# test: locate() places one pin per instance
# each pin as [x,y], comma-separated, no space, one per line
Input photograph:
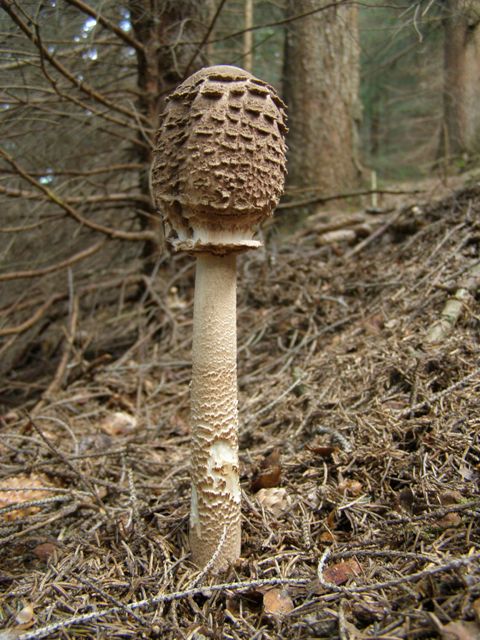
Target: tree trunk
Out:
[248,37]
[159,25]
[321,91]
[461,99]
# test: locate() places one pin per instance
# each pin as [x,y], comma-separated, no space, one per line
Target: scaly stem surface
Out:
[216,497]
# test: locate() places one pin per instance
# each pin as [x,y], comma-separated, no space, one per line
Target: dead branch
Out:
[373,236]
[59,376]
[377,586]
[114,601]
[438,396]
[24,326]
[247,585]
[59,515]
[80,84]
[123,35]
[73,213]
[86,481]
[277,23]
[35,273]
[30,227]
[436,514]
[111,197]
[40,312]
[454,306]
[27,61]
[343,196]
[34,503]
[128,166]
[205,38]
[68,96]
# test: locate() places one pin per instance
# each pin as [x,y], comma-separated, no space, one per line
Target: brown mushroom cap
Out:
[219,163]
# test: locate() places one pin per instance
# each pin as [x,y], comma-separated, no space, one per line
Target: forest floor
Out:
[359,394]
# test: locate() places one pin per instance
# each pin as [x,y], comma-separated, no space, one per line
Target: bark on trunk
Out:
[321,91]
[461,101]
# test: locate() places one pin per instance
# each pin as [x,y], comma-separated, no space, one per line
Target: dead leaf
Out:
[270,473]
[352,487]
[96,441]
[120,400]
[339,235]
[342,571]
[374,324]
[331,518]
[406,498]
[352,632]
[277,602]
[149,386]
[327,536]
[466,472]
[450,520]
[232,605]
[323,451]
[45,551]
[25,617]
[20,489]
[276,500]
[179,425]
[158,457]
[198,633]
[267,479]
[118,423]
[174,301]
[369,610]
[476,610]
[456,630]
[272,460]
[449,497]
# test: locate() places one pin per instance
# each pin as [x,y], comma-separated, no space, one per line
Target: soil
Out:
[360,449]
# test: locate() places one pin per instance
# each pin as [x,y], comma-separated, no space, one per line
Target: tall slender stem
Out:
[215,511]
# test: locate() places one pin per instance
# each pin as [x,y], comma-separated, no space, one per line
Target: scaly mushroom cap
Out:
[219,160]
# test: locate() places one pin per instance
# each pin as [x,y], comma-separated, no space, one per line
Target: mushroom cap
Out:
[219,160]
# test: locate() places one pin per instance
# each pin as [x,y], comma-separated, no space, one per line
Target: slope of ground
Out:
[360,452]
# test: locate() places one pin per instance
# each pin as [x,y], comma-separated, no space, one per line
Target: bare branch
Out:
[24,326]
[80,84]
[126,37]
[68,96]
[30,227]
[342,196]
[73,213]
[34,273]
[133,166]
[205,38]
[111,197]
[277,23]
[59,376]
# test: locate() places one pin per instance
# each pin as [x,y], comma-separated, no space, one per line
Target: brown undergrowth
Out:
[363,523]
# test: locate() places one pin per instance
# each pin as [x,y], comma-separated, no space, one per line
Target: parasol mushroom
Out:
[218,172]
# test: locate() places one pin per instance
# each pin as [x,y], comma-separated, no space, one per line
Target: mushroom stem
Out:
[216,496]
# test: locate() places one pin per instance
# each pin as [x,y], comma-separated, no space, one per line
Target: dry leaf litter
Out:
[360,452]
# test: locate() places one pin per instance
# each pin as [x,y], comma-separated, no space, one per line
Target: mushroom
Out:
[218,171]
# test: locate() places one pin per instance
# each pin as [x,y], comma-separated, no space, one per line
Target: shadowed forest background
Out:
[358,326]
